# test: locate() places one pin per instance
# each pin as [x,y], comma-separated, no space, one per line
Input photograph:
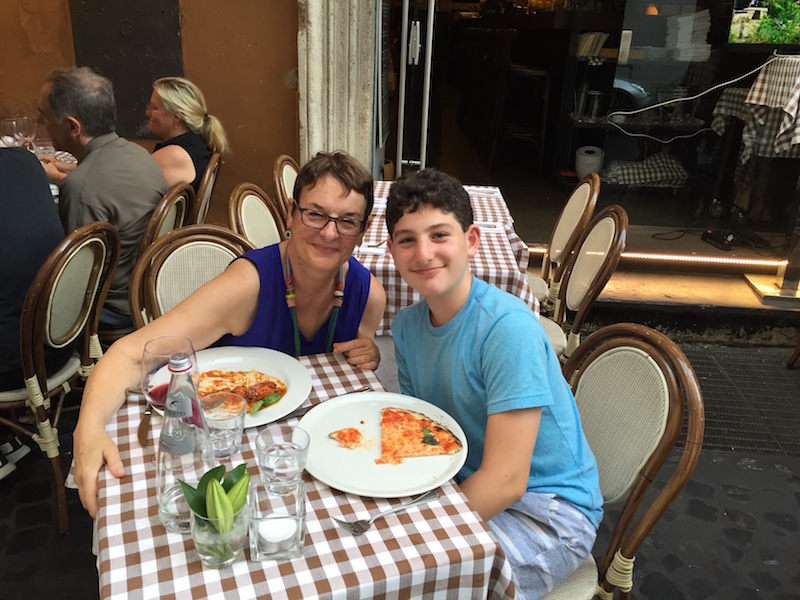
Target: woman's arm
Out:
[226,304]
[502,478]
[176,164]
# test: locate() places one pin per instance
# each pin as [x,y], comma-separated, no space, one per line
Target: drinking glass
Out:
[282,452]
[224,413]
[277,521]
[26,131]
[9,133]
[155,358]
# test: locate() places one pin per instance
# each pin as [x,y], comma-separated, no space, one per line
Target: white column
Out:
[336,50]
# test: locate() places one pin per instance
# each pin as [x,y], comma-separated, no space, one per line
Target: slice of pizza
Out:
[407,434]
[349,437]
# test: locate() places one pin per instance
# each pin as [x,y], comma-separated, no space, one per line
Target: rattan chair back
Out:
[170,213]
[178,263]
[204,191]
[255,215]
[62,307]
[284,173]
[636,394]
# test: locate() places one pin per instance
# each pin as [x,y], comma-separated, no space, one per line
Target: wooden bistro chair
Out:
[636,394]
[170,213]
[203,200]
[793,358]
[255,215]
[62,305]
[284,174]
[585,275]
[575,216]
[178,263]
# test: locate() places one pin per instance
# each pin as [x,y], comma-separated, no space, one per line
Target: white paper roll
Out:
[588,159]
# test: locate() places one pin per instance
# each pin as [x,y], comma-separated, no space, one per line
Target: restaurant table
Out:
[440,549]
[502,257]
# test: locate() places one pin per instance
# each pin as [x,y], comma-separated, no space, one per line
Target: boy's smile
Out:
[432,254]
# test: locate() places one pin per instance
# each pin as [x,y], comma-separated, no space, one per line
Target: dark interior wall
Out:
[131,43]
[242,55]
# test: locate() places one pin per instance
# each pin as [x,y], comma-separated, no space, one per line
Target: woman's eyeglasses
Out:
[317,220]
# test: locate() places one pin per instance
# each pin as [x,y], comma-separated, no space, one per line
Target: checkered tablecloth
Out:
[778,86]
[662,170]
[502,257]
[441,549]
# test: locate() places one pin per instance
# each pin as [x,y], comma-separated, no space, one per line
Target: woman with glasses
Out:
[304,295]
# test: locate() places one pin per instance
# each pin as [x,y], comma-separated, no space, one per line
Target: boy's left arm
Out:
[502,478]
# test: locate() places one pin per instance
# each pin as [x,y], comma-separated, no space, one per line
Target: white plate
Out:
[270,362]
[355,471]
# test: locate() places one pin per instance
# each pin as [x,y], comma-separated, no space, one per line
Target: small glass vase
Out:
[220,549]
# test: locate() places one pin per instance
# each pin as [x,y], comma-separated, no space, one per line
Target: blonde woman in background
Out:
[178,116]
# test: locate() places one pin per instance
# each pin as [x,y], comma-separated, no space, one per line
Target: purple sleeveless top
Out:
[272,327]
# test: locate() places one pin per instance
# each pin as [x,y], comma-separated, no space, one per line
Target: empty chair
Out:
[170,213]
[586,273]
[254,215]
[570,225]
[636,393]
[62,306]
[284,174]
[178,263]
[203,200]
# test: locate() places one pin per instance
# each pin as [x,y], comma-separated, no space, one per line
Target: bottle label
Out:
[178,405]
[176,442]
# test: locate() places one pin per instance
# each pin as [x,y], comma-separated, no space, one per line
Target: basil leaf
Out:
[256,407]
[196,500]
[271,399]
[428,437]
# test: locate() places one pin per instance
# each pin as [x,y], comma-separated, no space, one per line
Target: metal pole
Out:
[426,90]
[401,104]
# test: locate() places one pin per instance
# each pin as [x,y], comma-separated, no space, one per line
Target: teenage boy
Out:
[481,355]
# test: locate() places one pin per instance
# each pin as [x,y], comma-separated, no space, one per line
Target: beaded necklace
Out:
[291,295]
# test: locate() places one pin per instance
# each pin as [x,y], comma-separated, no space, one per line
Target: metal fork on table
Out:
[359,527]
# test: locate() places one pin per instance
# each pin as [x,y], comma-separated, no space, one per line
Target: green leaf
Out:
[271,399]
[234,476]
[196,500]
[429,439]
[238,493]
[215,473]
[256,407]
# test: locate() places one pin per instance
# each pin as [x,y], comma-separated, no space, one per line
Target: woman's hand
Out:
[360,352]
[56,170]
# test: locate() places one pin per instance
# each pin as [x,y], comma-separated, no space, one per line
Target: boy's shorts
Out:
[545,539]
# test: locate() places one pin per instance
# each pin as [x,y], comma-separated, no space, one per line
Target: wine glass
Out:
[26,131]
[9,132]
[155,359]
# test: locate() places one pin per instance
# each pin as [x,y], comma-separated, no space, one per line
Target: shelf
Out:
[637,125]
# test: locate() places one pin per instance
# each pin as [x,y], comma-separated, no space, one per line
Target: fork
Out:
[359,527]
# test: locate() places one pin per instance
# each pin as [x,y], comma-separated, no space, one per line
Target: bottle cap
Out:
[180,362]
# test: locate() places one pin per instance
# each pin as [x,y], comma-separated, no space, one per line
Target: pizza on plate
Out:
[260,390]
[349,437]
[407,434]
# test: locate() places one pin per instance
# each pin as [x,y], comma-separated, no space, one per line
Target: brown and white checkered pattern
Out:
[778,86]
[502,257]
[441,549]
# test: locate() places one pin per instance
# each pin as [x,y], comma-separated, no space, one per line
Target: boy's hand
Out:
[360,352]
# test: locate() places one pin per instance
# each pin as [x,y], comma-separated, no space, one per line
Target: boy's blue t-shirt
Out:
[492,357]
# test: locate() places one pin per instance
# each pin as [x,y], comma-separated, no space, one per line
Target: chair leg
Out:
[61,494]
[794,357]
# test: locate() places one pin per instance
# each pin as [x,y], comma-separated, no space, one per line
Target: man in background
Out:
[115,180]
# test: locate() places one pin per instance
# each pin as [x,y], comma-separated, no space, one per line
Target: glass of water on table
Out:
[282,451]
